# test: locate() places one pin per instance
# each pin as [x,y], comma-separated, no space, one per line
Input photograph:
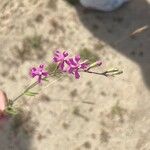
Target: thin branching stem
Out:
[30,87]
[97,73]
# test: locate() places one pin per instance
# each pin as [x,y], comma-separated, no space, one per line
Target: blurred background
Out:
[116,116]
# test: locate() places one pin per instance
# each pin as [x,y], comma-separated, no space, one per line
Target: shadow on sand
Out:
[114,26]
[16,132]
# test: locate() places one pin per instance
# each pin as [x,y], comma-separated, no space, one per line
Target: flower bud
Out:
[112,72]
[95,64]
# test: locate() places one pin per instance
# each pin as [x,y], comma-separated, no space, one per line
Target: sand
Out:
[118,115]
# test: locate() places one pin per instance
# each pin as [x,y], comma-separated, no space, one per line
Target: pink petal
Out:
[45,74]
[77,58]
[84,66]
[55,59]
[65,54]
[39,79]
[70,70]
[41,66]
[61,65]
[77,76]
[72,62]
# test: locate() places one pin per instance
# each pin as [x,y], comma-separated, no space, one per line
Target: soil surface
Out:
[94,112]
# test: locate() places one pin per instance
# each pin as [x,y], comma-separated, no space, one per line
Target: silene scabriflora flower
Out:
[70,65]
[60,59]
[39,72]
[75,66]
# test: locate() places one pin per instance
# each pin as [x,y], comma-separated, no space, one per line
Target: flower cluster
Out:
[66,64]
[70,65]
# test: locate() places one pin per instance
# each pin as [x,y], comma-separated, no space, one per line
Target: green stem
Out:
[103,73]
[11,102]
[28,88]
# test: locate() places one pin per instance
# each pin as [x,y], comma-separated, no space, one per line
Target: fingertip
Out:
[3,100]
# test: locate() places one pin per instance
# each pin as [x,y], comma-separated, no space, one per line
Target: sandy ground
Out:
[118,117]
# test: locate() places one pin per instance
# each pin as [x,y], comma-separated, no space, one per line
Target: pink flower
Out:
[39,72]
[61,59]
[75,66]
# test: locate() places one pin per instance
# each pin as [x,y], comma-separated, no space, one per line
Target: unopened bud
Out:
[95,64]
[113,72]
